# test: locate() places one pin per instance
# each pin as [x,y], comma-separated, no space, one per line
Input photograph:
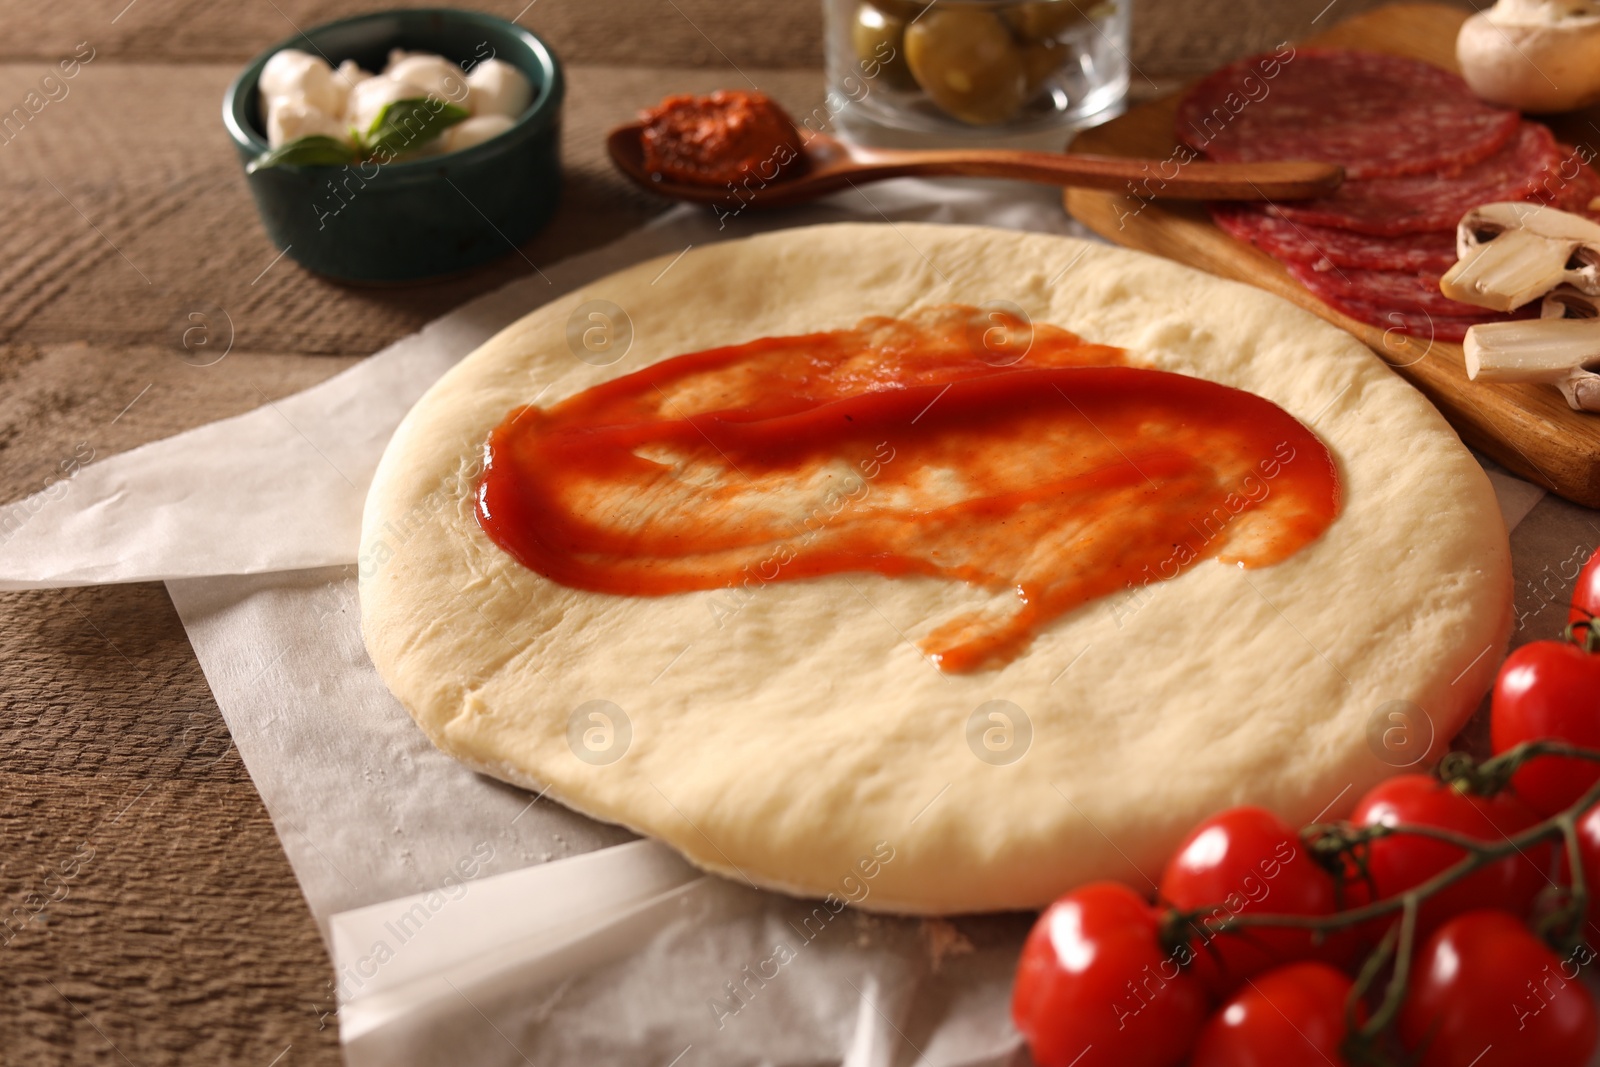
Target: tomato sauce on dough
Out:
[1041,469]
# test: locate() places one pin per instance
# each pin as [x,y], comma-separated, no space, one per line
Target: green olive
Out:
[901,9]
[1045,20]
[879,39]
[967,63]
[1039,61]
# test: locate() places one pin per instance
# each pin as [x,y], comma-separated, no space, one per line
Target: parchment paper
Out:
[470,921]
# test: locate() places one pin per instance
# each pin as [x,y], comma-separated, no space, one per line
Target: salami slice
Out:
[1584,193]
[1409,302]
[1417,204]
[1377,115]
[1571,186]
[1412,323]
[1324,247]
[1400,290]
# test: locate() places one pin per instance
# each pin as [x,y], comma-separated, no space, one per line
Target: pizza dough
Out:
[797,740]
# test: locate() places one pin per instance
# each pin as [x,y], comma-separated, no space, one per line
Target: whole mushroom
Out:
[1533,55]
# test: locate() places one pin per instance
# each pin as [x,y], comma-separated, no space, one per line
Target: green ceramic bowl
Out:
[421,218]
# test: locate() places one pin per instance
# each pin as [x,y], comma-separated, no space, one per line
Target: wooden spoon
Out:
[832,165]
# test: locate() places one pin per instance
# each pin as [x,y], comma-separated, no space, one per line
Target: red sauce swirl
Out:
[900,448]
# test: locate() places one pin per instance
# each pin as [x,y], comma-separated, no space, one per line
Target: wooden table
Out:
[149,914]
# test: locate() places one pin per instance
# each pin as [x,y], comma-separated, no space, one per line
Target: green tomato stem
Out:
[1585,634]
[1480,854]
[1345,845]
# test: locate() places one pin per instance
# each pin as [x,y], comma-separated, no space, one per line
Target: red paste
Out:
[900,448]
[721,138]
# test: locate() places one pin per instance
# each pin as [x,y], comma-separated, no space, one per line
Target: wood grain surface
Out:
[1529,428]
[147,914]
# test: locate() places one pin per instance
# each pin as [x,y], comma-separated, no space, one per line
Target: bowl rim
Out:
[540,112]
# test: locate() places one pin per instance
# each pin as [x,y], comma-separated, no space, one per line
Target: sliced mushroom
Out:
[1514,253]
[1569,302]
[1533,55]
[1562,347]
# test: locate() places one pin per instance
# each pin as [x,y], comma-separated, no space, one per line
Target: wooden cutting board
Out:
[1528,428]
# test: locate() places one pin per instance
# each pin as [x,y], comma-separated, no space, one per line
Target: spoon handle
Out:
[1146,178]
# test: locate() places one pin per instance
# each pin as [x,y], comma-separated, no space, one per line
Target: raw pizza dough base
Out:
[782,743]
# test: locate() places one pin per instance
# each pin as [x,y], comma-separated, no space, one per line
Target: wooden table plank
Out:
[150,916]
[1171,38]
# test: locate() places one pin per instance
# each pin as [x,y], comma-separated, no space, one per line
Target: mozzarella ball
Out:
[290,118]
[345,78]
[476,130]
[294,73]
[434,75]
[498,89]
[368,98]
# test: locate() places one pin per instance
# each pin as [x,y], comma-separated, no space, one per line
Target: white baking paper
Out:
[469,921]
[254,521]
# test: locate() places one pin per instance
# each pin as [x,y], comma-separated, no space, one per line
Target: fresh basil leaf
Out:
[403,125]
[317,150]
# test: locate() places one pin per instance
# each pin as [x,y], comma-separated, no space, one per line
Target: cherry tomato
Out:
[1586,594]
[1293,1014]
[1246,860]
[1549,689]
[1484,991]
[1401,861]
[1094,986]
[1589,853]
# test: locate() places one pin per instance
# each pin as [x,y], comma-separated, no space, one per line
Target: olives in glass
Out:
[878,35]
[1044,20]
[901,9]
[980,62]
[968,63]
[1040,59]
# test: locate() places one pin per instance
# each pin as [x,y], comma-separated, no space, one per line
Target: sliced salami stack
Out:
[1419,151]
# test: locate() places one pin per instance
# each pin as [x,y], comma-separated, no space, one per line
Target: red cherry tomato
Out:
[1246,860]
[1401,861]
[1095,988]
[1586,594]
[1549,689]
[1484,991]
[1589,853]
[1293,1014]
